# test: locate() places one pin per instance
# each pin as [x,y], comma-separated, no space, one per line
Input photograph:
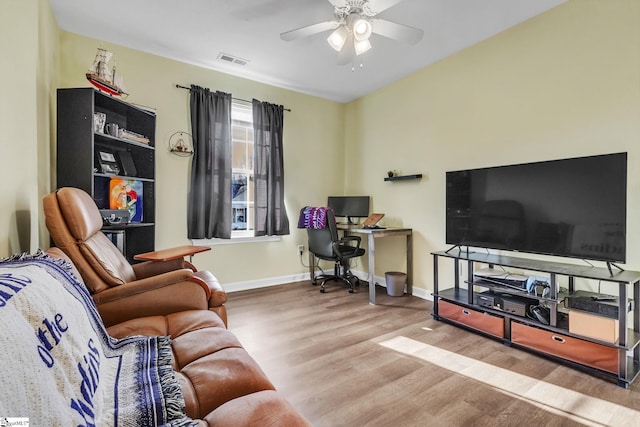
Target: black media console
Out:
[540,321]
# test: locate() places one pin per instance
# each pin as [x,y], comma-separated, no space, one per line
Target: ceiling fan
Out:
[353,25]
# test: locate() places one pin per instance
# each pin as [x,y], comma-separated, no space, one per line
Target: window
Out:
[242,169]
[237,174]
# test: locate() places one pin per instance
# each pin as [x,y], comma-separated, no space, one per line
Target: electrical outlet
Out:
[300,249]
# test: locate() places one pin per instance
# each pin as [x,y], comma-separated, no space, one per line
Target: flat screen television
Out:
[349,207]
[571,207]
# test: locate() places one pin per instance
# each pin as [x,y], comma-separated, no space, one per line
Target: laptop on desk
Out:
[372,220]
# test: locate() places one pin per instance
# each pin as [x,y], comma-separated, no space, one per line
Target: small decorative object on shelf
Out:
[105,79]
[113,129]
[99,120]
[402,177]
[180,144]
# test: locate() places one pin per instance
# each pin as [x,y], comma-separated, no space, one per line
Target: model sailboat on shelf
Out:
[105,79]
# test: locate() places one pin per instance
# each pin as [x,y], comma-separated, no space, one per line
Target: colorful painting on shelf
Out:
[126,194]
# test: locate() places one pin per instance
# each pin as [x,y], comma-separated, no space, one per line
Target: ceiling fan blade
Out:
[348,51]
[378,6]
[309,30]
[338,3]
[396,31]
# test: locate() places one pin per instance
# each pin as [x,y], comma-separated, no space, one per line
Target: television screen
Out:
[349,206]
[572,207]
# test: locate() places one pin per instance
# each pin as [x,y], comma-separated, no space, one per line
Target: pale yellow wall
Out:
[313,144]
[46,83]
[563,84]
[566,83]
[28,38]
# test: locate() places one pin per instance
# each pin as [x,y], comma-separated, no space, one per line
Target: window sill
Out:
[235,240]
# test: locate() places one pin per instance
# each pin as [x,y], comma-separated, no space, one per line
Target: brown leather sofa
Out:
[221,383]
[119,289]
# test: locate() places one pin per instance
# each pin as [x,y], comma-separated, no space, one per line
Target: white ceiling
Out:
[197,31]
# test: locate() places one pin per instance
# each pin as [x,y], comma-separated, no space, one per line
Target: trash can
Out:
[395,283]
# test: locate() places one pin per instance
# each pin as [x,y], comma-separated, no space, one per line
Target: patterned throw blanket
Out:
[61,368]
[311,217]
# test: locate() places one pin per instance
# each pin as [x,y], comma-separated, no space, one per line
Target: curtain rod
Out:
[237,99]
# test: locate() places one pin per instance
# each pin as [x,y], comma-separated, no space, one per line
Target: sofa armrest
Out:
[160,295]
[218,294]
[153,268]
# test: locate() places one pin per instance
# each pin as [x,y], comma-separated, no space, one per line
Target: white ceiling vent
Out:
[233,59]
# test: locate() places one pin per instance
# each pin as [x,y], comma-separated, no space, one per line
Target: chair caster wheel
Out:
[350,291]
[322,290]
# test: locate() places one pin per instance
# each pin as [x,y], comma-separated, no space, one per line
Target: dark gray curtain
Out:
[270,213]
[209,209]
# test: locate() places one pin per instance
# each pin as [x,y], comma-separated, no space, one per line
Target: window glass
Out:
[242,173]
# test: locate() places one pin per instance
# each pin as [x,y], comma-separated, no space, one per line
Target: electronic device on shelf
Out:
[539,286]
[516,305]
[600,304]
[501,278]
[488,299]
[602,297]
[508,303]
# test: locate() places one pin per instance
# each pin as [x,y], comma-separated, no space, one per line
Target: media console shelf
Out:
[618,361]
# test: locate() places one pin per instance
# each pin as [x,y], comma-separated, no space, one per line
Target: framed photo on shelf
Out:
[127,194]
[107,162]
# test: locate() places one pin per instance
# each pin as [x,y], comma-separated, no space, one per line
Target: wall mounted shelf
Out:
[403,177]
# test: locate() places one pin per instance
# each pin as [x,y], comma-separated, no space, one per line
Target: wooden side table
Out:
[172,253]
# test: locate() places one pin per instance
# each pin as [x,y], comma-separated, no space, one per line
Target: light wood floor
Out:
[344,362]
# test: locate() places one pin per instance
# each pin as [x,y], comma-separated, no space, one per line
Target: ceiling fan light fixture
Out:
[362,46]
[361,29]
[338,38]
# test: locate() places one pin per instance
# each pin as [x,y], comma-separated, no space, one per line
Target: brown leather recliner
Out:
[119,288]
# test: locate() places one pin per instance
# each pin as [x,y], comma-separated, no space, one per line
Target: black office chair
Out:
[325,244]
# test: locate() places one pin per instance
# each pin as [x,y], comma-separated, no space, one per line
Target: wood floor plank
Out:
[344,362]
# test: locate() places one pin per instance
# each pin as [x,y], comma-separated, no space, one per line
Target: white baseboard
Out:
[264,283]
[281,280]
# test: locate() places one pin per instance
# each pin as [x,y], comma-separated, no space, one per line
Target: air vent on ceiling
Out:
[232,59]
